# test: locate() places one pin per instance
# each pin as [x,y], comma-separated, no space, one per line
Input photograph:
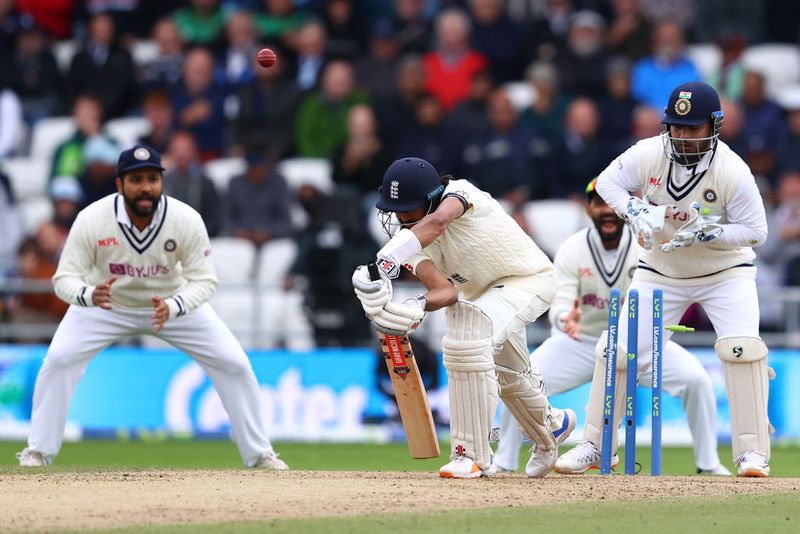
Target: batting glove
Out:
[373,294]
[400,319]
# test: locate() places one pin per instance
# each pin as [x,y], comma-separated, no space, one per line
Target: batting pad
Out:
[593,430]
[472,384]
[744,360]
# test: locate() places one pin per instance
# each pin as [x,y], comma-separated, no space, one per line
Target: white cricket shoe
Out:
[752,464]
[464,467]
[580,459]
[542,463]
[32,458]
[270,460]
[719,471]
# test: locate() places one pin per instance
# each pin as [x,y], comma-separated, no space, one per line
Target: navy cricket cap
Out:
[408,184]
[692,104]
[138,157]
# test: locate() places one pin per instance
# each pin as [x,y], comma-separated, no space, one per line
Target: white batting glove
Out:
[400,319]
[373,294]
[645,219]
[700,228]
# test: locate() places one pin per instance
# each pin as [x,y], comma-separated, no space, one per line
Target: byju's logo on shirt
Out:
[135,271]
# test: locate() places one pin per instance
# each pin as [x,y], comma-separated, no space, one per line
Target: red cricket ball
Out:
[266,57]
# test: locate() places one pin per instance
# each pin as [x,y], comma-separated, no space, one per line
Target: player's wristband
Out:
[176,306]
[401,247]
[84,297]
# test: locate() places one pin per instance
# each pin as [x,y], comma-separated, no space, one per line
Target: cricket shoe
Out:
[32,458]
[270,460]
[719,471]
[580,459]
[542,463]
[752,464]
[465,467]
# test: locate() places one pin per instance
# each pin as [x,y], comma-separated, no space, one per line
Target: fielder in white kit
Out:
[138,263]
[699,217]
[477,262]
[589,264]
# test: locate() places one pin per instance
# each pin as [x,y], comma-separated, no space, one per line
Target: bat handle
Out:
[373,271]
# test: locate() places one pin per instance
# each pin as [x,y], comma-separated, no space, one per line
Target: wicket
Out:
[631,379]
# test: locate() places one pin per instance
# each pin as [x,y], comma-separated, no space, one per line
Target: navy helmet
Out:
[409,184]
[692,104]
[138,157]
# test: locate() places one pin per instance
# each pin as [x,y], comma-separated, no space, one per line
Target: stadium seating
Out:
[35,211]
[779,63]
[316,172]
[540,215]
[28,176]
[221,170]
[707,58]
[127,130]
[48,133]
[234,259]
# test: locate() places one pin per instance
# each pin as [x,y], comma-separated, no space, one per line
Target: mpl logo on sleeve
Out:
[107,242]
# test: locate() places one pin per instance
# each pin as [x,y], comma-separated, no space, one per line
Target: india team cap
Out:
[692,104]
[139,157]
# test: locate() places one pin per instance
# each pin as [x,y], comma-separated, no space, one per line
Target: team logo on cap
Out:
[394,190]
[683,106]
[709,195]
[170,245]
[142,154]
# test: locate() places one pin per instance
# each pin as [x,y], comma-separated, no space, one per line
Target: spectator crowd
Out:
[528,99]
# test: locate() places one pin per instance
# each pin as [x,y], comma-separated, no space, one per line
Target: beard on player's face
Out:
[605,220]
[141,197]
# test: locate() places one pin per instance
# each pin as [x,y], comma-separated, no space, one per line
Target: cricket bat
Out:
[412,401]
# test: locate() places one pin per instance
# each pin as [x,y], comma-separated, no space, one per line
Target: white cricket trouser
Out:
[201,334]
[567,363]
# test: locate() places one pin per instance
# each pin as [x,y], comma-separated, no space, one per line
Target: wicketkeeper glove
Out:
[701,228]
[645,219]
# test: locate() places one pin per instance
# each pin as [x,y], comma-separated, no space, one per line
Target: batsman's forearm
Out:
[440,297]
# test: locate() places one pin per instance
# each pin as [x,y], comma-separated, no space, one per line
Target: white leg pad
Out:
[744,360]
[593,431]
[472,384]
[524,396]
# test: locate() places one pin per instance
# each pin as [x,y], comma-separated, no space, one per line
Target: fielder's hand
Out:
[102,294]
[645,219]
[700,228]
[373,294]
[161,313]
[571,322]
[400,319]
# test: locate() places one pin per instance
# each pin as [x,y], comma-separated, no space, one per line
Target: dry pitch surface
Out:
[55,500]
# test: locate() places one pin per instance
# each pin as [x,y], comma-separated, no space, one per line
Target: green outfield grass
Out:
[199,454]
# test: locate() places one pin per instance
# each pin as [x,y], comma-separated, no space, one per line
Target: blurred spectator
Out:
[470,118]
[200,23]
[257,203]
[428,138]
[680,12]
[731,130]
[99,178]
[629,32]
[729,78]
[452,64]
[311,44]
[322,121]
[363,157]
[375,71]
[126,15]
[34,74]
[412,30]
[396,112]
[498,38]
[582,62]
[53,16]
[11,224]
[11,123]
[278,20]
[782,248]
[186,181]
[763,123]
[87,112]
[546,114]
[157,109]
[242,48]
[347,38]
[547,34]
[617,105]
[164,72]
[103,68]
[67,198]
[581,152]
[788,149]
[500,160]
[654,77]
[11,22]
[645,123]
[266,113]
[198,103]
[715,18]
